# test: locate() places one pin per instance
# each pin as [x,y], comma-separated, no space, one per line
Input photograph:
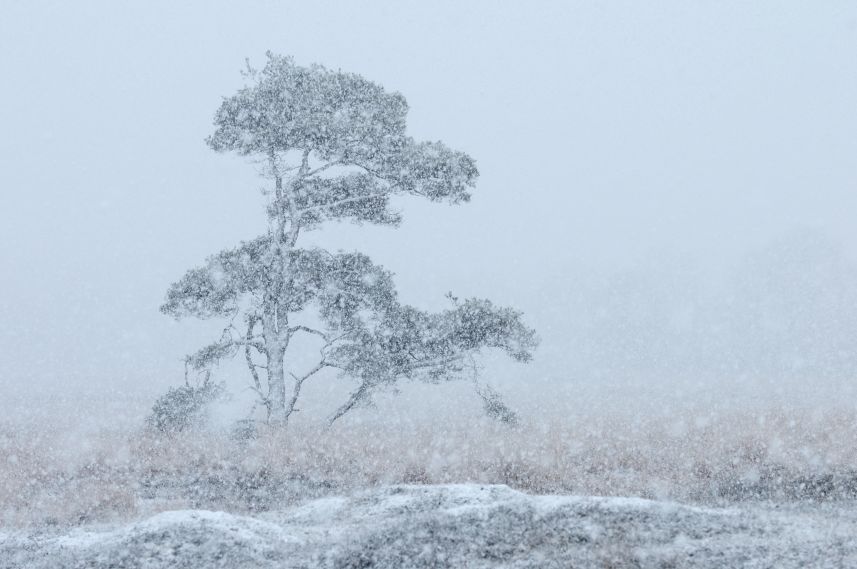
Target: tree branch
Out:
[437,362]
[308,330]
[329,344]
[321,169]
[251,324]
[393,185]
[342,201]
[294,218]
[264,400]
[290,408]
[355,398]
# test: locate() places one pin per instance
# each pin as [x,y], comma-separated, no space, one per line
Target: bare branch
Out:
[260,347]
[263,399]
[305,162]
[353,400]
[294,217]
[251,324]
[290,408]
[308,330]
[331,342]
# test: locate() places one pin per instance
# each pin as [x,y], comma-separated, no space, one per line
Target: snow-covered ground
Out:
[456,526]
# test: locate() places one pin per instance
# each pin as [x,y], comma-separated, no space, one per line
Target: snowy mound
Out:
[182,539]
[454,526]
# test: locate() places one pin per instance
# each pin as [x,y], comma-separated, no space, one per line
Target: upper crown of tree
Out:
[353,134]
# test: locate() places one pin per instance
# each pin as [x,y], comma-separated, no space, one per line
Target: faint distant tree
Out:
[333,146]
[793,309]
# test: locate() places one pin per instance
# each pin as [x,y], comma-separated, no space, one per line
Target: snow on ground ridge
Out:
[454,525]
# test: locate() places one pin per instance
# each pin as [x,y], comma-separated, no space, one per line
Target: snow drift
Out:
[455,526]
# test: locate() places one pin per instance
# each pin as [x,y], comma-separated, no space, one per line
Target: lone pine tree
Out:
[333,146]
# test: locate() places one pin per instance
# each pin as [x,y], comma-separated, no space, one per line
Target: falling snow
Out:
[661,217]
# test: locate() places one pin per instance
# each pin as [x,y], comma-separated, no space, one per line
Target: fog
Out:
[667,193]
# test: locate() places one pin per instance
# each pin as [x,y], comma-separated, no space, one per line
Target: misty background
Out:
[667,190]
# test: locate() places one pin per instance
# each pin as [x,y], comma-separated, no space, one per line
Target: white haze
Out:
[667,189]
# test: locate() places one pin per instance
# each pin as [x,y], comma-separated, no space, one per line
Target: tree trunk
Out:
[276,320]
[277,383]
[296,391]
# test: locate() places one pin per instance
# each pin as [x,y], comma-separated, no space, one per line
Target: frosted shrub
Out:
[183,407]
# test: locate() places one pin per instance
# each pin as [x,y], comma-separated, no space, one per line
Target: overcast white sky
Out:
[608,134]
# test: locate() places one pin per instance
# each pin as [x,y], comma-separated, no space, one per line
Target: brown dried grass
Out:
[51,477]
